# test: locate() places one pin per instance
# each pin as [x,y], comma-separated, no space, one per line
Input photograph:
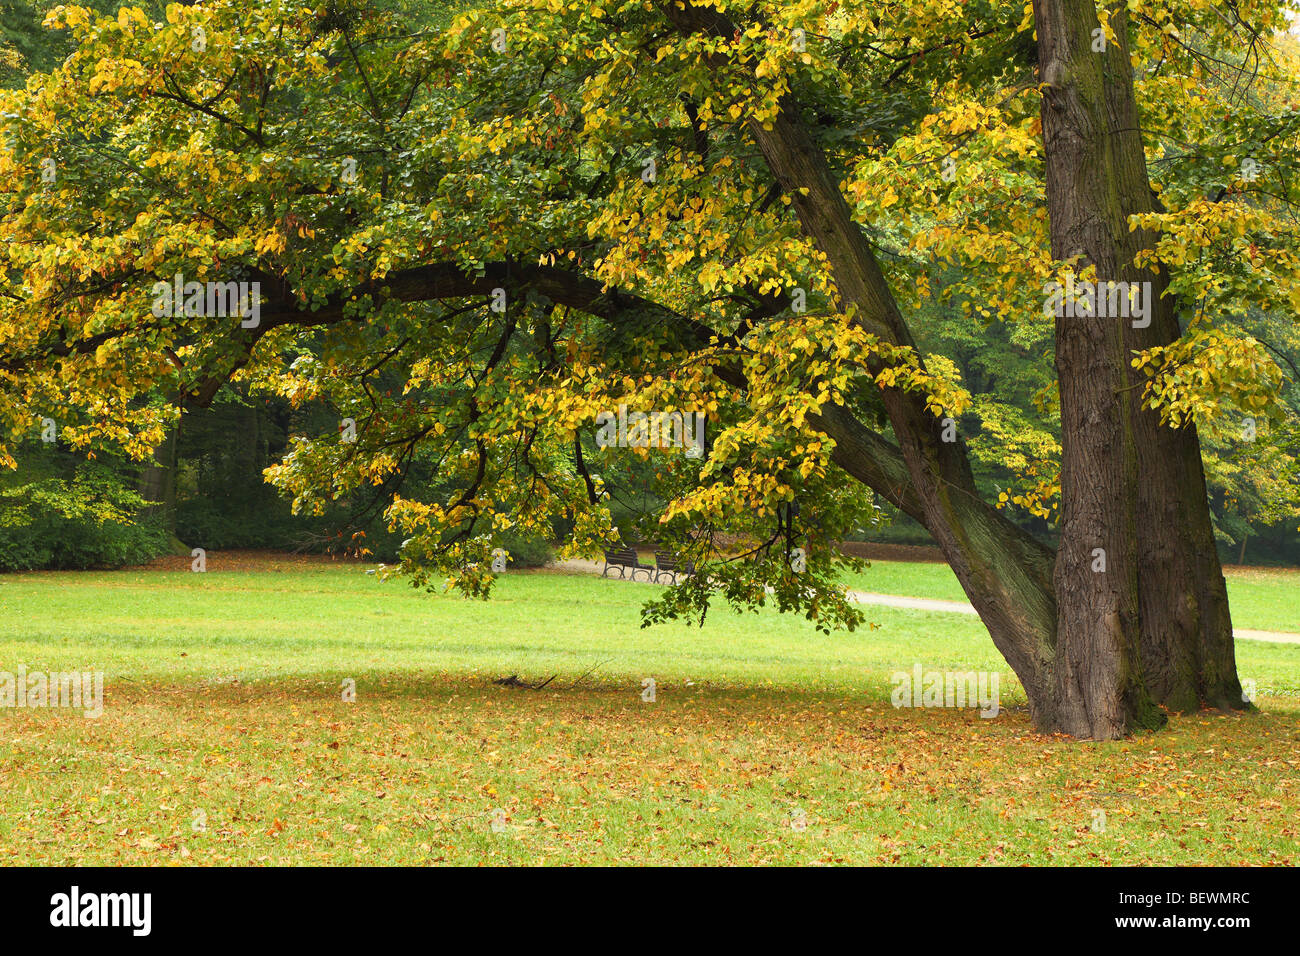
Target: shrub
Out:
[92,519]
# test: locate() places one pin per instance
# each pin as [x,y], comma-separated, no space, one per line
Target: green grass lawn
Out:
[223,698]
[1262,599]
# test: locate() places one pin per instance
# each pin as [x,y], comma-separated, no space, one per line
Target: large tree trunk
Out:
[1096,180]
[1187,642]
[1099,666]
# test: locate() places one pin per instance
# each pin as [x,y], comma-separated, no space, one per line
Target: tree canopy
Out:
[475,229]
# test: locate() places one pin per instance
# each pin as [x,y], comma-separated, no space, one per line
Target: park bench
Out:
[666,563]
[623,560]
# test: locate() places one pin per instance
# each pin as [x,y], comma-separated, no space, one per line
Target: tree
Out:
[536,216]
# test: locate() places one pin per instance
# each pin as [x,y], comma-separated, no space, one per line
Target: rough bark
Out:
[1100,672]
[1096,181]
[1187,643]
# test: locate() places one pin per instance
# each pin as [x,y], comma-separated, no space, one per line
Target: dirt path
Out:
[1275,637]
[584,566]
